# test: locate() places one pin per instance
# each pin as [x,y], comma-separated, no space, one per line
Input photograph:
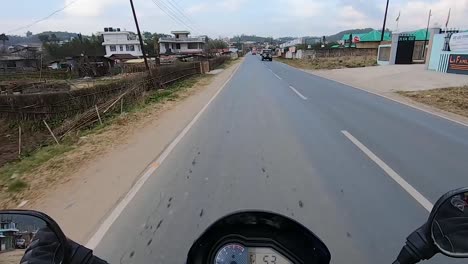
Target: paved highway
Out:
[327,155]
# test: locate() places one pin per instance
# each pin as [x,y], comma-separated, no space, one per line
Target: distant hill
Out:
[339,35]
[13,40]
[254,38]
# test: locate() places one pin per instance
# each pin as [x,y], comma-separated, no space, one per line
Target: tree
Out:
[214,44]
[44,38]
[29,34]
[4,38]
[53,38]
[90,46]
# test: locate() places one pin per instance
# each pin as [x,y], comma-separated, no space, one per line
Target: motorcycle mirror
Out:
[20,229]
[448,224]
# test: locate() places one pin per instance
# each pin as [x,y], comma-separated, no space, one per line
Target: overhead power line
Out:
[171,14]
[44,18]
[180,11]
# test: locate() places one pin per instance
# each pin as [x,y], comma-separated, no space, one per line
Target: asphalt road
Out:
[279,139]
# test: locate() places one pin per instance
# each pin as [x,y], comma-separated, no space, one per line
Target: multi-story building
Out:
[117,42]
[181,43]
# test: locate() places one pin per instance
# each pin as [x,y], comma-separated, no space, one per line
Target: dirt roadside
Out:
[103,173]
[11,257]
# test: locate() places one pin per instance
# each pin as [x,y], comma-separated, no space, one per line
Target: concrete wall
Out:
[183,48]
[368,45]
[332,53]
[436,51]
[383,55]
[137,52]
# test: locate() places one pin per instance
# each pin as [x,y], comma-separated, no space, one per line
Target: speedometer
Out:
[232,254]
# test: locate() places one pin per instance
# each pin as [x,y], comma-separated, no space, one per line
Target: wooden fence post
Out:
[98,115]
[121,106]
[50,131]
[19,141]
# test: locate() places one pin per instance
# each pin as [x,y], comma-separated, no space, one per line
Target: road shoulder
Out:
[81,203]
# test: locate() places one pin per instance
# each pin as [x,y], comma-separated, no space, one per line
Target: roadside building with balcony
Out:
[8,232]
[182,44]
[121,44]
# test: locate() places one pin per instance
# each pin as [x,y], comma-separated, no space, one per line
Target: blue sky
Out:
[222,18]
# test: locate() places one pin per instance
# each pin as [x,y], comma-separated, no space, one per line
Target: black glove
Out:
[44,248]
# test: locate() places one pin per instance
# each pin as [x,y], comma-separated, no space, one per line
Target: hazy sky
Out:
[229,17]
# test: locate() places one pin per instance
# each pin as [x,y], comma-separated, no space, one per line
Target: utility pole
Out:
[384,22]
[427,29]
[141,38]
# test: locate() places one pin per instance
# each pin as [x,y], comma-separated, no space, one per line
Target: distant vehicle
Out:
[20,243]
[267,54]
[254,51]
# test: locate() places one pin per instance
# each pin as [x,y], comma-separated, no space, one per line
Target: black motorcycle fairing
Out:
[257,228]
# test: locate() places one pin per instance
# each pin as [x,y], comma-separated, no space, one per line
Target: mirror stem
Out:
[406,256]
[418,247]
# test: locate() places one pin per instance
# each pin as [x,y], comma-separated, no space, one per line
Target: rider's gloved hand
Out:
[44,248]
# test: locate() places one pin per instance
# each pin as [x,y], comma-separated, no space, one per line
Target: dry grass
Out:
[29,178]
[453,99]
[330,63]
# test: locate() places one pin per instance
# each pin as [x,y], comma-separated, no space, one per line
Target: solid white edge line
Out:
[386,97]
[297,92]
[107,223]
[397,178]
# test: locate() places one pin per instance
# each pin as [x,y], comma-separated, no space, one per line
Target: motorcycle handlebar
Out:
[82,255]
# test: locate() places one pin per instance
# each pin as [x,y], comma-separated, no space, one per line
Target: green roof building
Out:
[371,36]
[420,34]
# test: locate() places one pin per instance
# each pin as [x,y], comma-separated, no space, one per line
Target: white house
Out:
[181,43]
[119,42]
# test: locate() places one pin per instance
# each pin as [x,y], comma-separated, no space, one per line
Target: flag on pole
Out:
[448,18]
[398,17]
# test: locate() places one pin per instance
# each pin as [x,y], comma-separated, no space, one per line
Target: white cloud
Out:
[414,14]
[232,5]
[277,18]
[303,8]
[88,8]
[349,17]
[197,8]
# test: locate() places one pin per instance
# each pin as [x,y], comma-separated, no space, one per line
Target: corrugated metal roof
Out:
[373,35]
[420,34]
[346,36]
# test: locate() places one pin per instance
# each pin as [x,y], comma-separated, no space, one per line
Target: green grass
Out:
[17,185]
[28,164]
[330,63]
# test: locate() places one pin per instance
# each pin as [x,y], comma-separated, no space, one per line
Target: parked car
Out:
[267,54]
[20,243]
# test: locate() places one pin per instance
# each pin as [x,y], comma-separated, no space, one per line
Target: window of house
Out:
[112,48]
[166,45]
[130,47]
[139,49]
[121,48]
[193,46]
[177,46]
